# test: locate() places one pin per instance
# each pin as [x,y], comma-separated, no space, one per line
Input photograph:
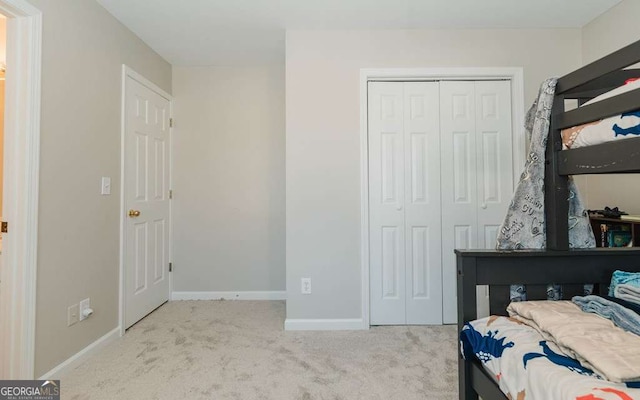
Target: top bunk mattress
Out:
[623,126]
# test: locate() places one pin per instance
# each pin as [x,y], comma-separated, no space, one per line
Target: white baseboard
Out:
[273,295]
[324,325]
[81,356]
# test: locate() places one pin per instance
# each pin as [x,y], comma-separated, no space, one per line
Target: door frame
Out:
[22,159]
[131,73]
[513,74]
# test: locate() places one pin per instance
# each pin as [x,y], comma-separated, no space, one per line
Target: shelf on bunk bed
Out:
[626,229]
[618,156]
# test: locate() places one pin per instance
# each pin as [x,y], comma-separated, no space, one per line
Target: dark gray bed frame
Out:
[536,269]
[557,264]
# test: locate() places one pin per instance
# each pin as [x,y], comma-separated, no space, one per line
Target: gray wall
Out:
[611,31]
[84,48]
[323,142]
[229,178]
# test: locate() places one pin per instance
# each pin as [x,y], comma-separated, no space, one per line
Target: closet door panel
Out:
[495,157]
[422,203]
[459,176]
[386,203]
[495,166]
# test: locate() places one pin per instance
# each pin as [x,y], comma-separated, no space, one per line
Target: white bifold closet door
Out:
[404,203]
[440,178]
[477,175]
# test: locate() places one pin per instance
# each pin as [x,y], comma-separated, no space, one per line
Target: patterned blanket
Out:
[524,225]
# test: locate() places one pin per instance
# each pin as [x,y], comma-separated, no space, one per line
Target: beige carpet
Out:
[238,350]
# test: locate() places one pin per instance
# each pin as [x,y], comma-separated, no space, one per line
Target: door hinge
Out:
[4,228]
[170,194]
[170,267]
[170,122]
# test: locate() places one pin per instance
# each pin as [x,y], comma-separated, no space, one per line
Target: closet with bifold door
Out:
[440,178]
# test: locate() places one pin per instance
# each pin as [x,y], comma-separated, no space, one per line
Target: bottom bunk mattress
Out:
[526,366]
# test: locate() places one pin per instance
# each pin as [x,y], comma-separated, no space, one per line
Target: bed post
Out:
[556,196]
[467,311]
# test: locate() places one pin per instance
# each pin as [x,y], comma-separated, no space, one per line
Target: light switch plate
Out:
[73,314]
[84,305]
[106,185]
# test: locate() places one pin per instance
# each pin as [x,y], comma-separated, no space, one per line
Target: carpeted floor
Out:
[238,350]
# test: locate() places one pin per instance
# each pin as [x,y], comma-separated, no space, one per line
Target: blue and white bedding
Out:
[623,126]
[526,366]
[623,317]
[623,278]
[628,292]
[625,286]
[635,307]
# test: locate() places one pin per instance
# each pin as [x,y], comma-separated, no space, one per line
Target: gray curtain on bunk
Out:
[524,225]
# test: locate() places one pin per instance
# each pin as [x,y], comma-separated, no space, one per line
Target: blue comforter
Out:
[623,317]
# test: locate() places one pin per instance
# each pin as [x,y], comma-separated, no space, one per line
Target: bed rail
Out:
[621,156]
[622,103]
[618,60]
[601,85]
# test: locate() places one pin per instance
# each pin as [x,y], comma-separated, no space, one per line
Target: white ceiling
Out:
[241,32]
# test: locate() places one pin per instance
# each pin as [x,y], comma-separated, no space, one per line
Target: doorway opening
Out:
[3,71]
[21,159]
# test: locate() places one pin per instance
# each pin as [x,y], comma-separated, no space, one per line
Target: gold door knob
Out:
[134,213]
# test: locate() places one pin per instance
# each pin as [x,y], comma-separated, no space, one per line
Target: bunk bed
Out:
[558,264]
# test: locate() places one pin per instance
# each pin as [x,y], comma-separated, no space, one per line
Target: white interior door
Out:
[477,181]
[146,199]
[404,171]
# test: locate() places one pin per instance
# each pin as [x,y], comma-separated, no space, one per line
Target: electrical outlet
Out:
[73,314]
[85,309]
[306,286]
